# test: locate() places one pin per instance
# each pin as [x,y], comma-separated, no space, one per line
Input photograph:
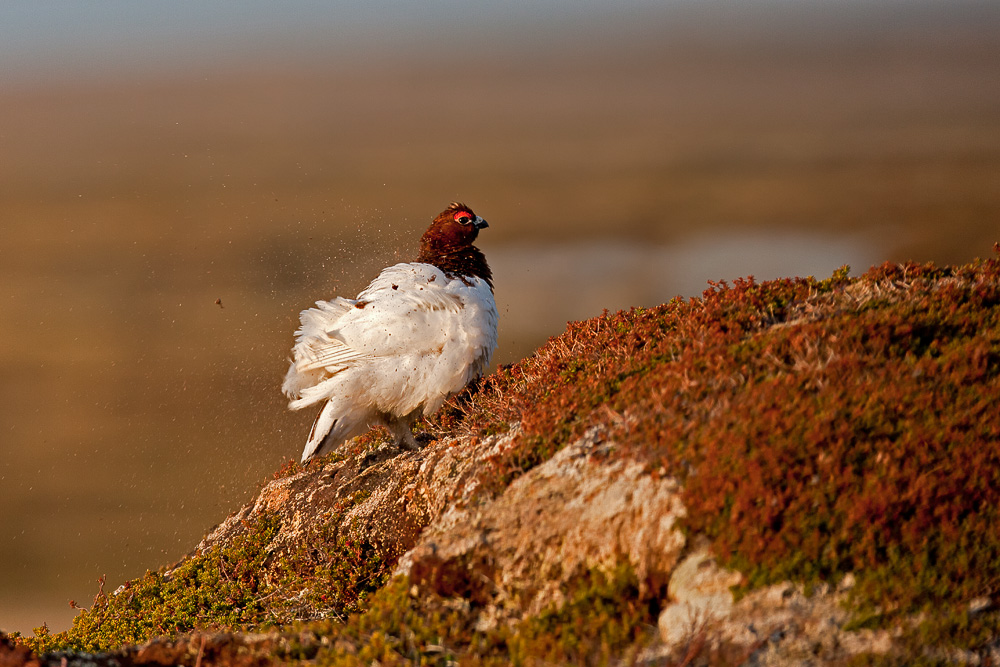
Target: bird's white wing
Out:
[317,344]
[409,309]
[313,344]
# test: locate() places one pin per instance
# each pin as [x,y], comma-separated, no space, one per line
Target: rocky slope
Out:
[796,472]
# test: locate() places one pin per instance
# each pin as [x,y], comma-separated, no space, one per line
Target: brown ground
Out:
[136,410]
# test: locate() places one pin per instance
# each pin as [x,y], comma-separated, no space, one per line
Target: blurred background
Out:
[179,179]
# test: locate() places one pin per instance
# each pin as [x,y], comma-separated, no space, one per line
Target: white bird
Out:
[416,335]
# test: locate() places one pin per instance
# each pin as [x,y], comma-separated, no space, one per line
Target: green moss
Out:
[839,279]
[331,572]
[603,618]
[242,586]
[220,588]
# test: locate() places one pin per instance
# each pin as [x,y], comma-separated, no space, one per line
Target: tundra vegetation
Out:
[817,428]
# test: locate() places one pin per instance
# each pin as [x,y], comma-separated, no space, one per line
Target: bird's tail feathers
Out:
[310,396]
[293,383]
[330,429]
[307,387]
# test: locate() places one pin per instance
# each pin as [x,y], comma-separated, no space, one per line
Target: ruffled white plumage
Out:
[413,337]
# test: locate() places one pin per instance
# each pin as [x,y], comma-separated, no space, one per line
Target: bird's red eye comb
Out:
[463,214]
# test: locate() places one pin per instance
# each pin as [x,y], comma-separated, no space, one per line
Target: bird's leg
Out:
[402,435]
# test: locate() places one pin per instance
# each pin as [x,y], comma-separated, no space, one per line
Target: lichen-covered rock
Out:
[699,595]
[788,627]
[387,496]
[778,626]
[577,511]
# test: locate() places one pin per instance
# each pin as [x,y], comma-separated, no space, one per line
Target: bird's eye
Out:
[463,218]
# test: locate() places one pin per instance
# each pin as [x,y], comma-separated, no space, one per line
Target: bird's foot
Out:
[403,436]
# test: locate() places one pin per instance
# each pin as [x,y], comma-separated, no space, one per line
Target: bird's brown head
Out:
[457,225]
[447,243]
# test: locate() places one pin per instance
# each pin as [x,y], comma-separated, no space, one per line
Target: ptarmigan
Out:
[417,334]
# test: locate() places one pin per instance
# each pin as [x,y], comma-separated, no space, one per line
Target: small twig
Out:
[100,591]
[201,652]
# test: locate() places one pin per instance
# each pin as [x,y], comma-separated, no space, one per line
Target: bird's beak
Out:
[480,223]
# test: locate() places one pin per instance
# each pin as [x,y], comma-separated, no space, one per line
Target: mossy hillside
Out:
[240,586]
[217,589]
[863,439]
[603,618]
[820,427]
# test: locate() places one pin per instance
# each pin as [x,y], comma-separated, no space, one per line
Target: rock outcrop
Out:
[512,555]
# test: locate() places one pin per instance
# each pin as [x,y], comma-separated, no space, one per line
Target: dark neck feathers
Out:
[455,259]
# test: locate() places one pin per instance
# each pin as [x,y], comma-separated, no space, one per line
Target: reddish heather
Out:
[820,427]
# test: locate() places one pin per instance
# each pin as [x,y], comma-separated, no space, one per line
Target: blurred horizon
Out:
[62,41]
[181,179]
